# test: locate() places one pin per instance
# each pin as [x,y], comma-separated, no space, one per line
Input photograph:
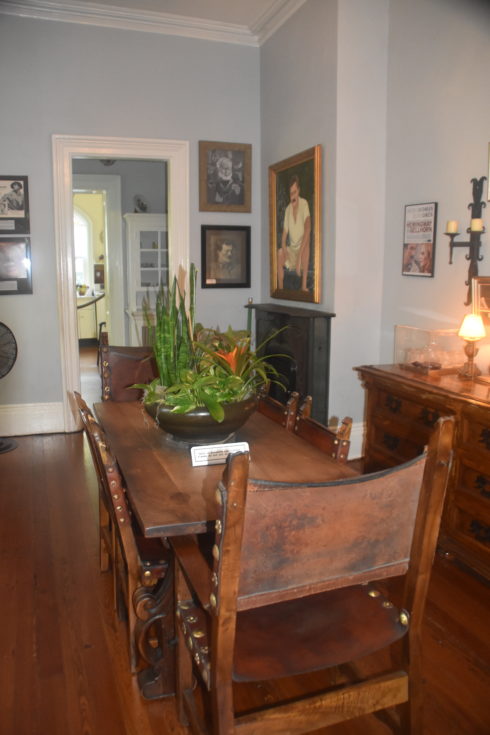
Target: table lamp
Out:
[471,330]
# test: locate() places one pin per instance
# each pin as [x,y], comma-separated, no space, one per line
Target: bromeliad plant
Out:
[197,366]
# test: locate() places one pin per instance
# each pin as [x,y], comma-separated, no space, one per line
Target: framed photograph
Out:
[419,239]
[225,256]
[481,297]
[14,205]
[15,265]
[225,176]
[295,226]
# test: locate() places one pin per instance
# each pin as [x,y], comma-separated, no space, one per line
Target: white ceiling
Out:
[247,22]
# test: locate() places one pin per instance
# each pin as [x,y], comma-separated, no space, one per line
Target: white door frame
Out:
[66,147]
[111,185]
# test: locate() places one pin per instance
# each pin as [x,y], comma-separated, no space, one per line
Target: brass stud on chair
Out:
[212,600]
[198,634]
[218,526]
[404,618]
[374,593]
[216,552]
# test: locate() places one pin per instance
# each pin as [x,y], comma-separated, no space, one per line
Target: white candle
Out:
[452,226]
[477,225]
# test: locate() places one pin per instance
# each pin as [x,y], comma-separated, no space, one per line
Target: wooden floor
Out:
[63,659]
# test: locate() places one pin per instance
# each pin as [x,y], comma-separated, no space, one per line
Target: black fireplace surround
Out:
[305,345]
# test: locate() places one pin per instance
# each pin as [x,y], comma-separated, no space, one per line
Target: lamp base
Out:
[469,371]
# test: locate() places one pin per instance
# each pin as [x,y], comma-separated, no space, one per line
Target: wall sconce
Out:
[472,330]
[475,230]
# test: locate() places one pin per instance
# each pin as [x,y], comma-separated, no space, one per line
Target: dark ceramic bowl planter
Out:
[198,426]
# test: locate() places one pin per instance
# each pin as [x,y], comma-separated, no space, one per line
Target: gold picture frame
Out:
[225,176]
[295,267]
[480,286]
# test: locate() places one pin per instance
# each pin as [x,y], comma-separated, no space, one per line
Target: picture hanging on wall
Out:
[14,205]
[225,256]
[481,296]
[225,175]
[295,226]
[15,266]
[419,239]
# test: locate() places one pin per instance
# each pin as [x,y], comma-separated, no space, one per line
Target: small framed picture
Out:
[419,239]
[225,256]
[481,297]
[14,205]
[15,266]
[225,171]
[295,226]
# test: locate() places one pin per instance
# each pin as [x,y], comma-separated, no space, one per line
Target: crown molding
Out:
[273,18]
[129,19]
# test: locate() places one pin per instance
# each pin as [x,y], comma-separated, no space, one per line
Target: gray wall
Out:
[438,138]
[323,81]
[81,80]
[396,93]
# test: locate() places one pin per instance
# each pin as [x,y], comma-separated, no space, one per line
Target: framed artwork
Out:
[15,265]
[481,297]
[225,171]
[295,226]
[419,239]
[225,256]
[14,205]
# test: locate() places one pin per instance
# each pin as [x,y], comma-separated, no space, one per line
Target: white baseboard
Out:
[356,440]
[31,418]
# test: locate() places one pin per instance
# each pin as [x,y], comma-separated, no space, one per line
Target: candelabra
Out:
[475,231]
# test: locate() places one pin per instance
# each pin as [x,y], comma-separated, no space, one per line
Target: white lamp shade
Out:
[472,328]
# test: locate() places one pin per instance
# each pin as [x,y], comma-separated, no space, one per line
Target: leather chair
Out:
[296,599]
[140,567]
[121,367]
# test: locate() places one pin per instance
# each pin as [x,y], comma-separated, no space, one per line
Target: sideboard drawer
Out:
[420,415]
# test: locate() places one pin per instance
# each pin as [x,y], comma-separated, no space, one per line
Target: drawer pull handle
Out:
[480,532]
[481,484]
[428,417]
[393,403]
[485,438]
[390,441]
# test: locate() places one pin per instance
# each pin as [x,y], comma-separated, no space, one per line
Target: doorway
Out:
[65,149]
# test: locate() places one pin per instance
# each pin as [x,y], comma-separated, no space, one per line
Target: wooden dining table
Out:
[169,497]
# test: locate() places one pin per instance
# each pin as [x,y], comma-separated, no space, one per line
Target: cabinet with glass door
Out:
[147,262]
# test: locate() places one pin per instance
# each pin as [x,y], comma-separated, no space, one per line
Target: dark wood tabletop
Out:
[171,497]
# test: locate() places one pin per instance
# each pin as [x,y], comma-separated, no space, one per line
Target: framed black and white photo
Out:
[225,171]
[14,205]
[225,256]
[419,239]
[15,266]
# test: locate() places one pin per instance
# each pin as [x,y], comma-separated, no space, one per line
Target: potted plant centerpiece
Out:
[208,381]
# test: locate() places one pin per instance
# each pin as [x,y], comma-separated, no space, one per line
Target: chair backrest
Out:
[281,413]
[111,485]
[334,443]
[279,541]
[121,367]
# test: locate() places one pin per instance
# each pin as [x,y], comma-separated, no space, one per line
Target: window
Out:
[82,234]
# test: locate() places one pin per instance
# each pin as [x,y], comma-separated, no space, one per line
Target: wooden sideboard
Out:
[401,410]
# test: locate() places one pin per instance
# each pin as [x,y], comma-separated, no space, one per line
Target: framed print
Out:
[225,256]
[419,239]
[295,226]
[225,171]
[15,265]
[481,297]
[14,205]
